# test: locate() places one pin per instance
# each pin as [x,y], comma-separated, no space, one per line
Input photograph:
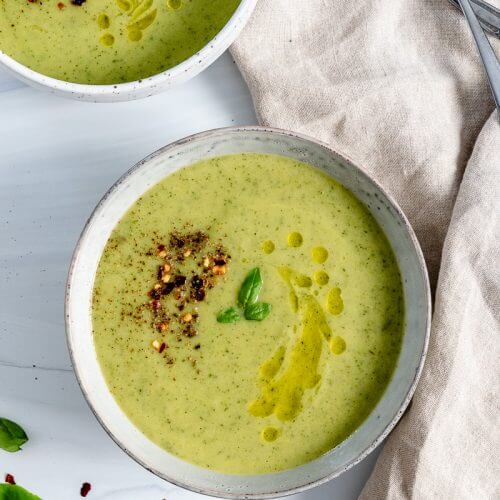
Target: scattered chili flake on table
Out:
[60,6]
[9,478]
[84,490]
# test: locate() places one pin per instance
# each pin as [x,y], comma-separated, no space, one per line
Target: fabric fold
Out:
[447,445]
[399,88]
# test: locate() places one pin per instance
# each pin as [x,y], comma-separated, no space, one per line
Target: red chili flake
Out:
[154,294]
[60,6]
[199,295]
[197,282]
[84,490]
[9,478]
[162,347]
[167,288]
[179,280]
[156,305]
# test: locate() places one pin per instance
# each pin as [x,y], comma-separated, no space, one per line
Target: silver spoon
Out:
[490,61]
[488,15]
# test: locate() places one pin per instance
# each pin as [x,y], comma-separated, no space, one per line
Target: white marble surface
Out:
[57,158]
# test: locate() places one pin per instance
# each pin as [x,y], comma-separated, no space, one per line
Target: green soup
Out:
[323,336]
[107,42]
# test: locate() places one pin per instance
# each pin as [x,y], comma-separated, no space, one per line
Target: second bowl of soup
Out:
[245,304]
[117,50]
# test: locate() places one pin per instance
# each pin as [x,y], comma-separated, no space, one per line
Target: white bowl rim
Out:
[220,42]
[425,280]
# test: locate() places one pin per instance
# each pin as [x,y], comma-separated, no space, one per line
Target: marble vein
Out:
[9,364]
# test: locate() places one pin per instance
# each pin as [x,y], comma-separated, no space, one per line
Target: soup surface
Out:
[107,42]
[248,313]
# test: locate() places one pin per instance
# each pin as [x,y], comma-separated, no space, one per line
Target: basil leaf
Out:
[15,492]
[250,289]
[12,436]
[258,311]
[229,315]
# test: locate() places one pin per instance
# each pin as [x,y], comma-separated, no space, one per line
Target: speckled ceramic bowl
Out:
[113,206]
[140,88]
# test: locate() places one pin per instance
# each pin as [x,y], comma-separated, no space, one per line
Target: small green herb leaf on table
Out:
[250,289]
[257,311]
[12,436]
[229,315]
[15,492]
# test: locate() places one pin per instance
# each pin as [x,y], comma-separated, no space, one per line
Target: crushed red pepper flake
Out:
[180,287]
[84,490]
[162,327]
[9,478]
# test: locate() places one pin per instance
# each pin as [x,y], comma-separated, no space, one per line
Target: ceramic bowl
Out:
[113,206]
[140,88]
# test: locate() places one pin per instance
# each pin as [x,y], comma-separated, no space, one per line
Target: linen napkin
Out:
[399,88]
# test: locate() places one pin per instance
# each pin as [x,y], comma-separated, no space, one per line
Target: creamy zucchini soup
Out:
[107,42]
[248,313]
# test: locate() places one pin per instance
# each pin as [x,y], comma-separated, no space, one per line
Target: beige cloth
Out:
[398,87]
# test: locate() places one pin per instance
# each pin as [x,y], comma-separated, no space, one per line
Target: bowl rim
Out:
[191,66]
[422,267]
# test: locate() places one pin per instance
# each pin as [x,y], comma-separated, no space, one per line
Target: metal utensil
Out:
[489,16]
[490,61]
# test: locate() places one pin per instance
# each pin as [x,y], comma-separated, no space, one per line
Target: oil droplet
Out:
[139,8]
[143,22]
[295,239]
[302,280]
[271,367]
[134,35]
[269,434]
[268,247]
[334,302]
[107,39]
[103,21]
[174,4]
[124,5]
[321,278]
[337,345]
[319,254]
[282,394]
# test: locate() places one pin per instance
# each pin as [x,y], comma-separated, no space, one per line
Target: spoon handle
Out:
[489,58]
[488,15]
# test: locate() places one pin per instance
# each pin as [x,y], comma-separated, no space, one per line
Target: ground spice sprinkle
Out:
[191,265]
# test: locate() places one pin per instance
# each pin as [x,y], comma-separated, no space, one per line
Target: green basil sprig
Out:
[250,289]
[247,300]
[12,436]
[258,311]
[15,492]
[229,315]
